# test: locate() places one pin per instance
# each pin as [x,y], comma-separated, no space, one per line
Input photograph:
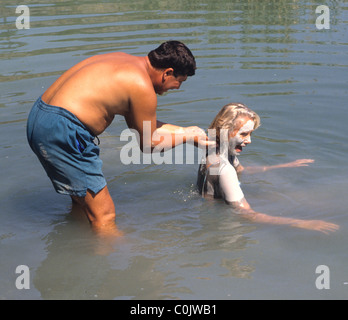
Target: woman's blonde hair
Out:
[228,117]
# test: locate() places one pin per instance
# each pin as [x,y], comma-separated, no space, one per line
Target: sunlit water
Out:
[266,54]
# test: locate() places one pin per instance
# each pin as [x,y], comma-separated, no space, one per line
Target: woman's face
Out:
[241,136]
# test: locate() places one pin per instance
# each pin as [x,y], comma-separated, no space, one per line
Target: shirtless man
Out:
[82,103]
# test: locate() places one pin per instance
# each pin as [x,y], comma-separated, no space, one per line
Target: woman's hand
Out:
[316,225]
[297,163]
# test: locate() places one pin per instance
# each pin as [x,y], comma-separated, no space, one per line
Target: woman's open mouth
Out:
[238,148]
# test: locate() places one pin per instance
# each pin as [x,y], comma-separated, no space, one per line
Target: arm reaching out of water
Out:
[293,164]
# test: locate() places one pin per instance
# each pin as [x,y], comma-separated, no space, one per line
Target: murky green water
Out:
[266,54]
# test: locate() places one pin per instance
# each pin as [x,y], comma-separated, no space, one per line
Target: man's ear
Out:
[167,73]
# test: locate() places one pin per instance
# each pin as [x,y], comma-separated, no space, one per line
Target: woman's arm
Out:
[293,164]
[233,195]
[244,209]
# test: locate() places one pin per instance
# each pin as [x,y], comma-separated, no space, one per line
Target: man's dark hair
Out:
[173,54]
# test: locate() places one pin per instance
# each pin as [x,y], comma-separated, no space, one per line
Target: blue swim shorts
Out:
[66,150]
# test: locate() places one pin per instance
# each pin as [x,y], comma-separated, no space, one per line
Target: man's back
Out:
[100,87]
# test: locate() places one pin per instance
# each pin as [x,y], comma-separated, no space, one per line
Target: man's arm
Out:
[153,133]
[178,135]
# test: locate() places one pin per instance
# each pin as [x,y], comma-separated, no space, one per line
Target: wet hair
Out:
[173,54]
[229,116]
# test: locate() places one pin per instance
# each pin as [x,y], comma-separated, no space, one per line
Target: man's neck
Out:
[149,68]
[154,74]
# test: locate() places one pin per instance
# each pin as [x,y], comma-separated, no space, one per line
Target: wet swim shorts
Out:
[66,150]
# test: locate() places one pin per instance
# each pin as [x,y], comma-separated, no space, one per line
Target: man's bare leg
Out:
[100,211]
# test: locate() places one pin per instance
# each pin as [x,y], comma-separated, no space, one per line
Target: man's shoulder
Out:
[127,78]
[130,70]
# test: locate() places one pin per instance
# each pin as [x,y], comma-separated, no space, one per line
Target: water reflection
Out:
[147,262]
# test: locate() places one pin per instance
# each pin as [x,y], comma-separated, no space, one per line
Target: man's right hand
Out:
[198,136]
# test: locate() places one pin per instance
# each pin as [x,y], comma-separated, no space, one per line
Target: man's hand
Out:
[198,136]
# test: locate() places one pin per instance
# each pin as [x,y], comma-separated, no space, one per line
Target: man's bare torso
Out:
[100,87]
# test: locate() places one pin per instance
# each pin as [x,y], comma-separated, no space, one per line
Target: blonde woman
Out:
[217,177]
